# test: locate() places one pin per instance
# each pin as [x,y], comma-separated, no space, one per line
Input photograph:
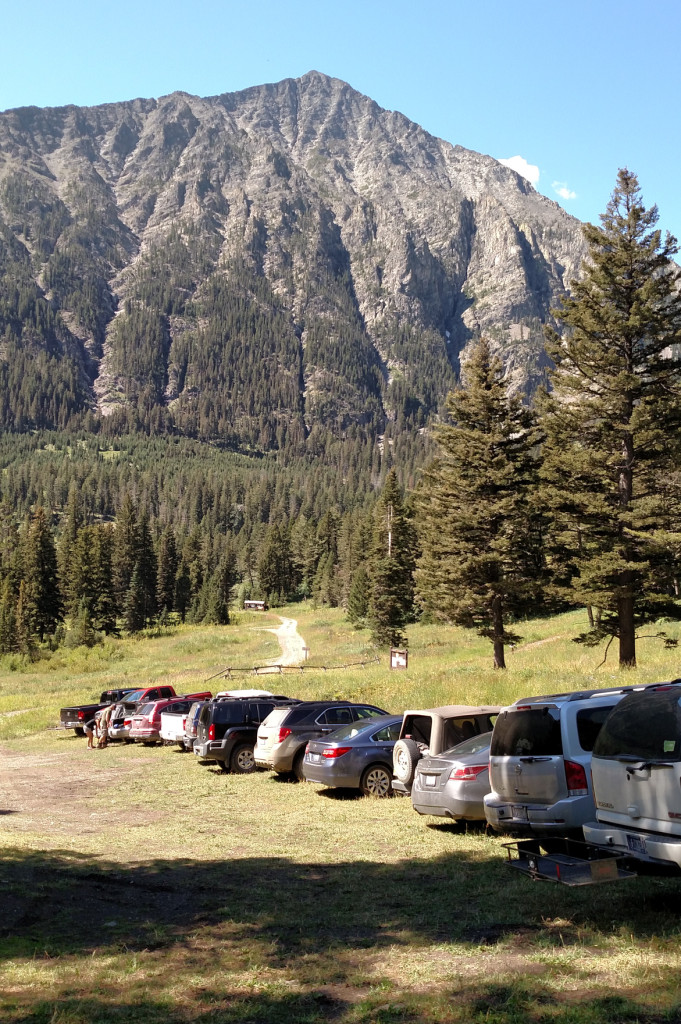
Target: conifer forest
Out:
[228,430]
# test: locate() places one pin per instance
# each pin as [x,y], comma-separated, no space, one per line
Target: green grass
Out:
[137,885]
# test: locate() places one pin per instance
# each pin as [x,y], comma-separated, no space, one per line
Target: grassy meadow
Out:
[138,885]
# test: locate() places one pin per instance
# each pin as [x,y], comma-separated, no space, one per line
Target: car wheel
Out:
[376,781]
[406,755]
[79,731]
[242,761]
[298,765]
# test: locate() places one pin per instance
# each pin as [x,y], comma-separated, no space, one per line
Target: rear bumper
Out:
[330,775]
[208,750]
[644,846]
[439,805]
[563,817]
[401,787]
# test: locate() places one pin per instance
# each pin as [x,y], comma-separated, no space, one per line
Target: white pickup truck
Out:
[172,727]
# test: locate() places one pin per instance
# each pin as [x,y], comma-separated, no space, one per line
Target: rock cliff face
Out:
[263,264]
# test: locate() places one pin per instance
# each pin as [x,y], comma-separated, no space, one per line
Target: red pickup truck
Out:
[121,717]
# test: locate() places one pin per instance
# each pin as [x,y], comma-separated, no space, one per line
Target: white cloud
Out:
[520,164]
[561,189]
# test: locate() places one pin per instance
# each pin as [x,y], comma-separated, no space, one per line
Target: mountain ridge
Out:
[267,265]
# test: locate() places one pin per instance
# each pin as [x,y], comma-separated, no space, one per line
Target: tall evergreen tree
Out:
[40,574]
[391,566]
[481,543]
[613,422]
[125,549]
[146,564]
[167,570]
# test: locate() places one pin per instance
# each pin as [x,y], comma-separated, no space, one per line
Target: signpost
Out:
[398,657]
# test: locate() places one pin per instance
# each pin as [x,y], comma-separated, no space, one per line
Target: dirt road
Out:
[291,643]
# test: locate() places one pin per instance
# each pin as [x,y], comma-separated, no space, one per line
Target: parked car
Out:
[356,756]
[285,733]
[191,724]
[76,717]
[173,721]
[226,730]
[146,722]
[122,715]
[636,768]
[431,731]
[453,784]
[540,760]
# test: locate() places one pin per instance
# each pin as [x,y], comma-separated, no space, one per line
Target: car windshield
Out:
[474,745]
[135,695]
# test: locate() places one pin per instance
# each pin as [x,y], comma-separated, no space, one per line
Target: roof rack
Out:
[571,695]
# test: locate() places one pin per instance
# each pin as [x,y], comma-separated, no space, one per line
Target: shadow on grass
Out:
[321,927]
[62,902]
[502,1004]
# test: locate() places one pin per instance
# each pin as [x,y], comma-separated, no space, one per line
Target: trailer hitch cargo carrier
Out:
[568,861]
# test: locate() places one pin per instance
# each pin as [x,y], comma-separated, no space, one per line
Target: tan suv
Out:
[432,731]
[284,734]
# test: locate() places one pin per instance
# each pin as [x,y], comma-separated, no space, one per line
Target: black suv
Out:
[283,737]
[227,728]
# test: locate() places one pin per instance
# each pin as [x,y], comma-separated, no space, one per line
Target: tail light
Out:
[469,773]
[127,723]
[281,735]
[211,732]
[575,776]
[332,752]
[184,722]
[81,715]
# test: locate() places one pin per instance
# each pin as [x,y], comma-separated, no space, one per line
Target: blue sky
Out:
[576,90]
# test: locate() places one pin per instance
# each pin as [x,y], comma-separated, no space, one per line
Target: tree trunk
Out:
[590,615]
[498,626]
[627,630]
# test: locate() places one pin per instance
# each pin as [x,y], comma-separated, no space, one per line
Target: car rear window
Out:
[417,728]
[589,724]
[290,716]
[645,726]
[532,731]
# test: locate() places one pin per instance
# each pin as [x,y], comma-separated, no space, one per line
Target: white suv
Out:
[637,777]
[540,758]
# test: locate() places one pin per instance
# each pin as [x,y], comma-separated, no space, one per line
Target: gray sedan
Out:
[356,756]
[454,784]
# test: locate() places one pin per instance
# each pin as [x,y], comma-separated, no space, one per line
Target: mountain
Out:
[265,268]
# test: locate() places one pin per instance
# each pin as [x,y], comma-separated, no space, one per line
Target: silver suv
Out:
[636,771]
[540,760]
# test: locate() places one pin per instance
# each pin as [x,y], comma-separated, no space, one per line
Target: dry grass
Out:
[137,885]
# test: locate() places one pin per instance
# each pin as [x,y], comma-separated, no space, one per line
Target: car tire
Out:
[298,765]
[406,755]
[242,761]
[376,781]
[79,731]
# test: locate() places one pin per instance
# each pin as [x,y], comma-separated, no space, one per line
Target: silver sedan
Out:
[454,784]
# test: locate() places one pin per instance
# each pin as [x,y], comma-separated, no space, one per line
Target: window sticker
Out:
[669,746]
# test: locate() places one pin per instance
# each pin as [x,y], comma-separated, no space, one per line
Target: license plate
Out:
[636,844]
[314,758]
[519,811]
[431,780]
